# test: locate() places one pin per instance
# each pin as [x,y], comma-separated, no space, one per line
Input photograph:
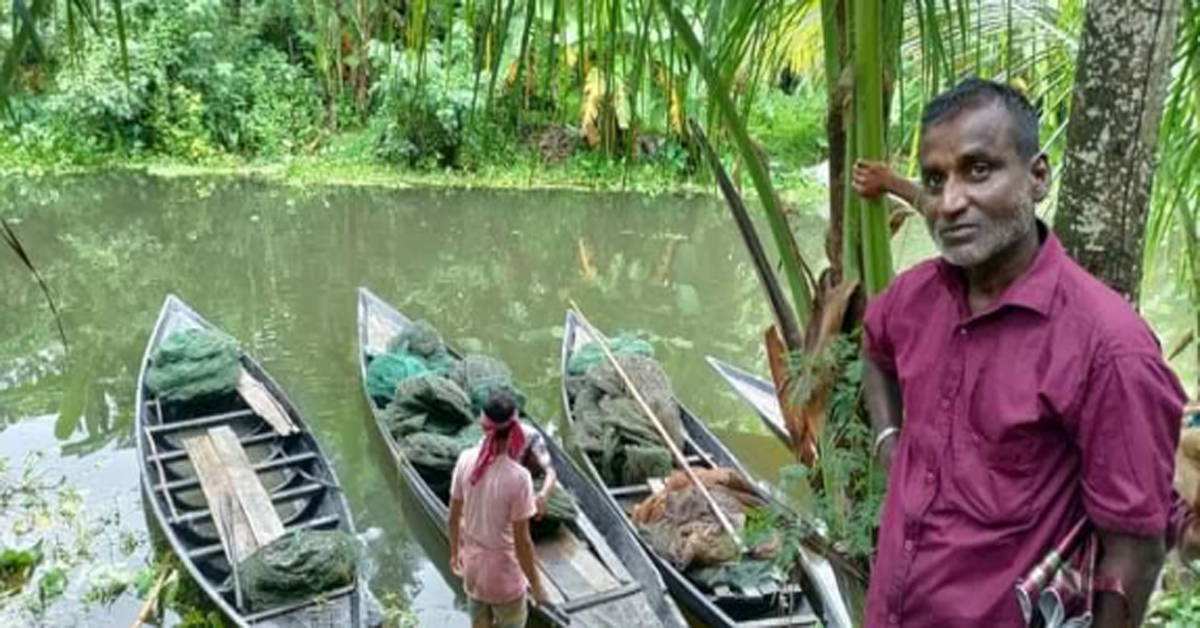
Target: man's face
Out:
[980,193]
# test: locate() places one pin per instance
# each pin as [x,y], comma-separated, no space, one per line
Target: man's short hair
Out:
[500,405]
[974,92]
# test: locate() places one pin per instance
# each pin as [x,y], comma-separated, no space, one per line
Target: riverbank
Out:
[800,187]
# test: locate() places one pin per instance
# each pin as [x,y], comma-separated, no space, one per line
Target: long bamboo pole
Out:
[152,599]
[680,459]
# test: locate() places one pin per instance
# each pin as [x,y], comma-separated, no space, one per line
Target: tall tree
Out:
[1121,83]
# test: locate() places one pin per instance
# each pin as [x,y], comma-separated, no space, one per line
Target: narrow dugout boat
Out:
[818,601]
[594,578]
[755,391]
[262,459]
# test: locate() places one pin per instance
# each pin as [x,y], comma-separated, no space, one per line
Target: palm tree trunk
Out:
[1112,136]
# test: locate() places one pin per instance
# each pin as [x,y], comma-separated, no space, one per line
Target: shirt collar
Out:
[1033,290]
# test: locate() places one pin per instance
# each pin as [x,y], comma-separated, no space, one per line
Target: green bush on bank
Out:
[208,88]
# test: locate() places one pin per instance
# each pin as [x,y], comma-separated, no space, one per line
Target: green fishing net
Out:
[591,354]
[441,406]
[387,370]
[297,567]
[744,575]
[423,341]
[611,427]
[480,375]
[193,365]
[420,339]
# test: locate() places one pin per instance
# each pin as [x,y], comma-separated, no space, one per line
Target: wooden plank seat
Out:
[247,442]
[242,510]
[602,597]
[199,422]
[300,492]
[572,566]
[266,465]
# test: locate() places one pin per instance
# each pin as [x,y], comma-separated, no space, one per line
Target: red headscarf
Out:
[492,432]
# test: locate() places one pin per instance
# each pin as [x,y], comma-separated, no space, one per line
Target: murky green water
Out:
[277,267]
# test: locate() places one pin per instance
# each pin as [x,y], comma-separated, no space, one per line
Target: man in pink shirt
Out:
[491,503]
[1012,394]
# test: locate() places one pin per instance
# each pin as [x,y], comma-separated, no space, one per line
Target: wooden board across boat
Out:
[253,461]
[819,600]
[595,571]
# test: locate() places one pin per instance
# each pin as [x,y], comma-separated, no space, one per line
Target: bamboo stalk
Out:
[680,459]
[152,599]
[869,141]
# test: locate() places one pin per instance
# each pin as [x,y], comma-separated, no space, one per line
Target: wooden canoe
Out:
[819,601]
[757,392]
[594,578]
[288,473]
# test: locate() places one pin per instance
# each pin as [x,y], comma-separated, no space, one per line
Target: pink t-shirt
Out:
[491,573]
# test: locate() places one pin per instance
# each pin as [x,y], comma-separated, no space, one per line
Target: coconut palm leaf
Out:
[797,271]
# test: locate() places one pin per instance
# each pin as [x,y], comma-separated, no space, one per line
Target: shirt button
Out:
[962,331]
[929,477]
[945,403]
[908,546]
[894,619]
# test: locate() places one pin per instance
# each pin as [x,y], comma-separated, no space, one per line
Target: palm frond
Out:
[14,244]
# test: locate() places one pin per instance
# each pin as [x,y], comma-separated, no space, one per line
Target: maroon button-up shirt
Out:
[1053,404]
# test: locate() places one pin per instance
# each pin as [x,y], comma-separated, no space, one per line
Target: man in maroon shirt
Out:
[1011,393]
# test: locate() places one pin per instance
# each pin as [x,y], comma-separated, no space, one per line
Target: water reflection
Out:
[277,267]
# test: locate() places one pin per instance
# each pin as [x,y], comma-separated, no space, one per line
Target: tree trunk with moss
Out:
[1120,87]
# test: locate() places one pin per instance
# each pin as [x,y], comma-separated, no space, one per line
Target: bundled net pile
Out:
[610,427]
[479,375]
[626,449]
[591,354]
[426,411]
[423,341]
[431,402]
[297,567]
[193,365]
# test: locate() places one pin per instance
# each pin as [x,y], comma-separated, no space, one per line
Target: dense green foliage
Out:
[429,86]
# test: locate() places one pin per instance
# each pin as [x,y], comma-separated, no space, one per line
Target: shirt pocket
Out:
[995,482]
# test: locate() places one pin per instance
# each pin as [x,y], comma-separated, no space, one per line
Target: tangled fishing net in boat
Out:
[680,525]
[297,567]
[612,428]
[560,509]
[428,403]
[432,413]
[480,375]
[193,365]
[423,341]
[591,354]
[386,371]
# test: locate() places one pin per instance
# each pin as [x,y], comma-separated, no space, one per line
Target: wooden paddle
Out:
[680,459]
